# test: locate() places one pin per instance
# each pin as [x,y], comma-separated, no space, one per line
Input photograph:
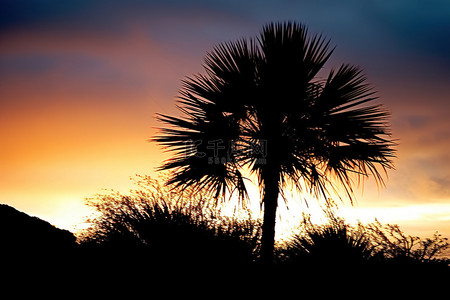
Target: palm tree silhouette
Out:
[260,106]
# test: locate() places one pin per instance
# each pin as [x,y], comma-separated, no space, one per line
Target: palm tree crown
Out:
[261,106]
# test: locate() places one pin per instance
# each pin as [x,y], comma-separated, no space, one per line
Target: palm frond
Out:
[290,50]
[260,105]
[204,140]
[356,135]
[203,155]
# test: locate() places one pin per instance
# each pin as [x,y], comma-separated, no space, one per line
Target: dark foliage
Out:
[335,243]
[265,90]
[179,232]
[261,106]
[166,228]
[361,251]
[159,236]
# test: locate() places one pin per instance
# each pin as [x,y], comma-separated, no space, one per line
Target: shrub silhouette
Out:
[367,249]
[176,228]
[392,244]
[332,244]
[175,231]
[169,228]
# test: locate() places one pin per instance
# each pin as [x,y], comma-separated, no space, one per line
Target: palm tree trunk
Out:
[270,200]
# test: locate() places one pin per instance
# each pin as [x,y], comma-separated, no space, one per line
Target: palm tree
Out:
[261,107]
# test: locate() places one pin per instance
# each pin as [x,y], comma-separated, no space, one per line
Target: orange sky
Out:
[77,102]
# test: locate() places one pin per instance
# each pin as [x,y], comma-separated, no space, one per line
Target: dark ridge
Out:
[26,235]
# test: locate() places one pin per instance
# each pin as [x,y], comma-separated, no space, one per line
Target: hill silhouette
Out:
[21,234]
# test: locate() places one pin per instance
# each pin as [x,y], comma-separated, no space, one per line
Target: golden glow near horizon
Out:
[59,154]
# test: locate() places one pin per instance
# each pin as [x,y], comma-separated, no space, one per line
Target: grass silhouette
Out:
[168,228]
[181,232]
[335,243]
[156,235]
[363,253]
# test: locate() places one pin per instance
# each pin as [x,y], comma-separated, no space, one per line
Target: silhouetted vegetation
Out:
[184,237]
[392,243]
[158,228]
[170,228]
[262,106]
[259,107]
[364,249]
[331,244]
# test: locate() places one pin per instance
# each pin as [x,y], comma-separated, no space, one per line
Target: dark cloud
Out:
[402,27]
[423,27]
[22,13]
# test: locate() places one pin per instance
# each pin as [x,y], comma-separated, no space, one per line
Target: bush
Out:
[161,227]
[339,245]
[156,228]
[331,245]
[391,243]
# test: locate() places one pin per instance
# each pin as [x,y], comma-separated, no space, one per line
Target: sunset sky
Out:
[81,81]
